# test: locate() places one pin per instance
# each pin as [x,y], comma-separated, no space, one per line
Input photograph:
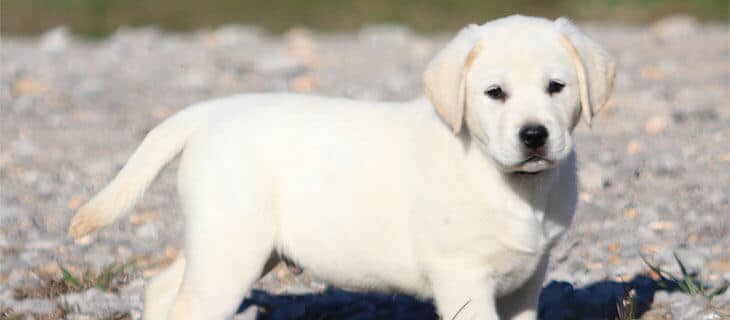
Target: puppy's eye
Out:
[555,86]
[495,92]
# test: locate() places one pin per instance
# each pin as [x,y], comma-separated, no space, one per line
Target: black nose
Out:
[533,135]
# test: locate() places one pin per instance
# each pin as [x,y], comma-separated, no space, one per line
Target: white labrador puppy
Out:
[456,198]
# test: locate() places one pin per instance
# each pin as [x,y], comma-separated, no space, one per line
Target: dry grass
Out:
[627,306]
[110,279]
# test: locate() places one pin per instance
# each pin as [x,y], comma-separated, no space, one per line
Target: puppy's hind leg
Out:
[227,250]
[162,289]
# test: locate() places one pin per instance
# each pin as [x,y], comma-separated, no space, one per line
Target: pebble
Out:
[25,103]
[232,35]
[44,244]
[634,147]
[88,88]
[24,147]
[655,125]
[148,231]
[193,80]
[303,47]
[592,176]
[56,40]
[675,26]
[95,299]
[304,83]
[279,63]
[41,306]
[681,306]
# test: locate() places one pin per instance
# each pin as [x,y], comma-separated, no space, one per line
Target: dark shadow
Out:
[599,300]
[558,301]
[336,304]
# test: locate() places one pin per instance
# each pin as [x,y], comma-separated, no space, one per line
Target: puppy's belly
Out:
[353,251]
[360,275]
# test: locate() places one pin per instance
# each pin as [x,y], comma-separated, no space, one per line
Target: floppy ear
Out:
[445,76]
[594,66]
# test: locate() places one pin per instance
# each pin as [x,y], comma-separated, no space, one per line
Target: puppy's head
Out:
[520,85]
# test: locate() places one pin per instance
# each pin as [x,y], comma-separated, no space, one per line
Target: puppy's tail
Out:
[159,147]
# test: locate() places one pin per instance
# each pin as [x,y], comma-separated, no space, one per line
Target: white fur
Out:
[374,196]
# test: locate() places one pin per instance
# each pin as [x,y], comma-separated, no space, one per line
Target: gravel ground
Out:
[655,167]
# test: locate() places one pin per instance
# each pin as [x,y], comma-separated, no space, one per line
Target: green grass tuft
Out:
[688,282]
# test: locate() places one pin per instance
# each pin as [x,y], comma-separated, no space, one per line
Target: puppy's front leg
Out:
[522,304]
[463,295]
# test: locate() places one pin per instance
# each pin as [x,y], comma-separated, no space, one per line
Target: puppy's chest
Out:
[514,269]
[521,245]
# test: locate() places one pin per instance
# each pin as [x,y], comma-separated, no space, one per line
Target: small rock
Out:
[662,225]
[634,147]
[30,257]
[134,293]
[592,176]
[147,231]
[144,217]
[84,241]
[386,34]
[23,147]
[96,301]
[667,165]
[50,269]
[124,254]
[692,258]
[55,40]
[304,83]
[40,306]
[630,213]
[585,196]
[29,177]
[194,80]
[75,202]
[44,244]
[655,125]
[279,62]
[77,316]
[702,115]
[652,73]
[397,82]
[29,86]
[717,197]
[232,35]
[303,47]
[88,88]
[685,307]
[26,103]
[675,26]
[100,257]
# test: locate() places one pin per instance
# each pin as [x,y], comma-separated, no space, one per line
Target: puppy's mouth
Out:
[533,164]
[534,158]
